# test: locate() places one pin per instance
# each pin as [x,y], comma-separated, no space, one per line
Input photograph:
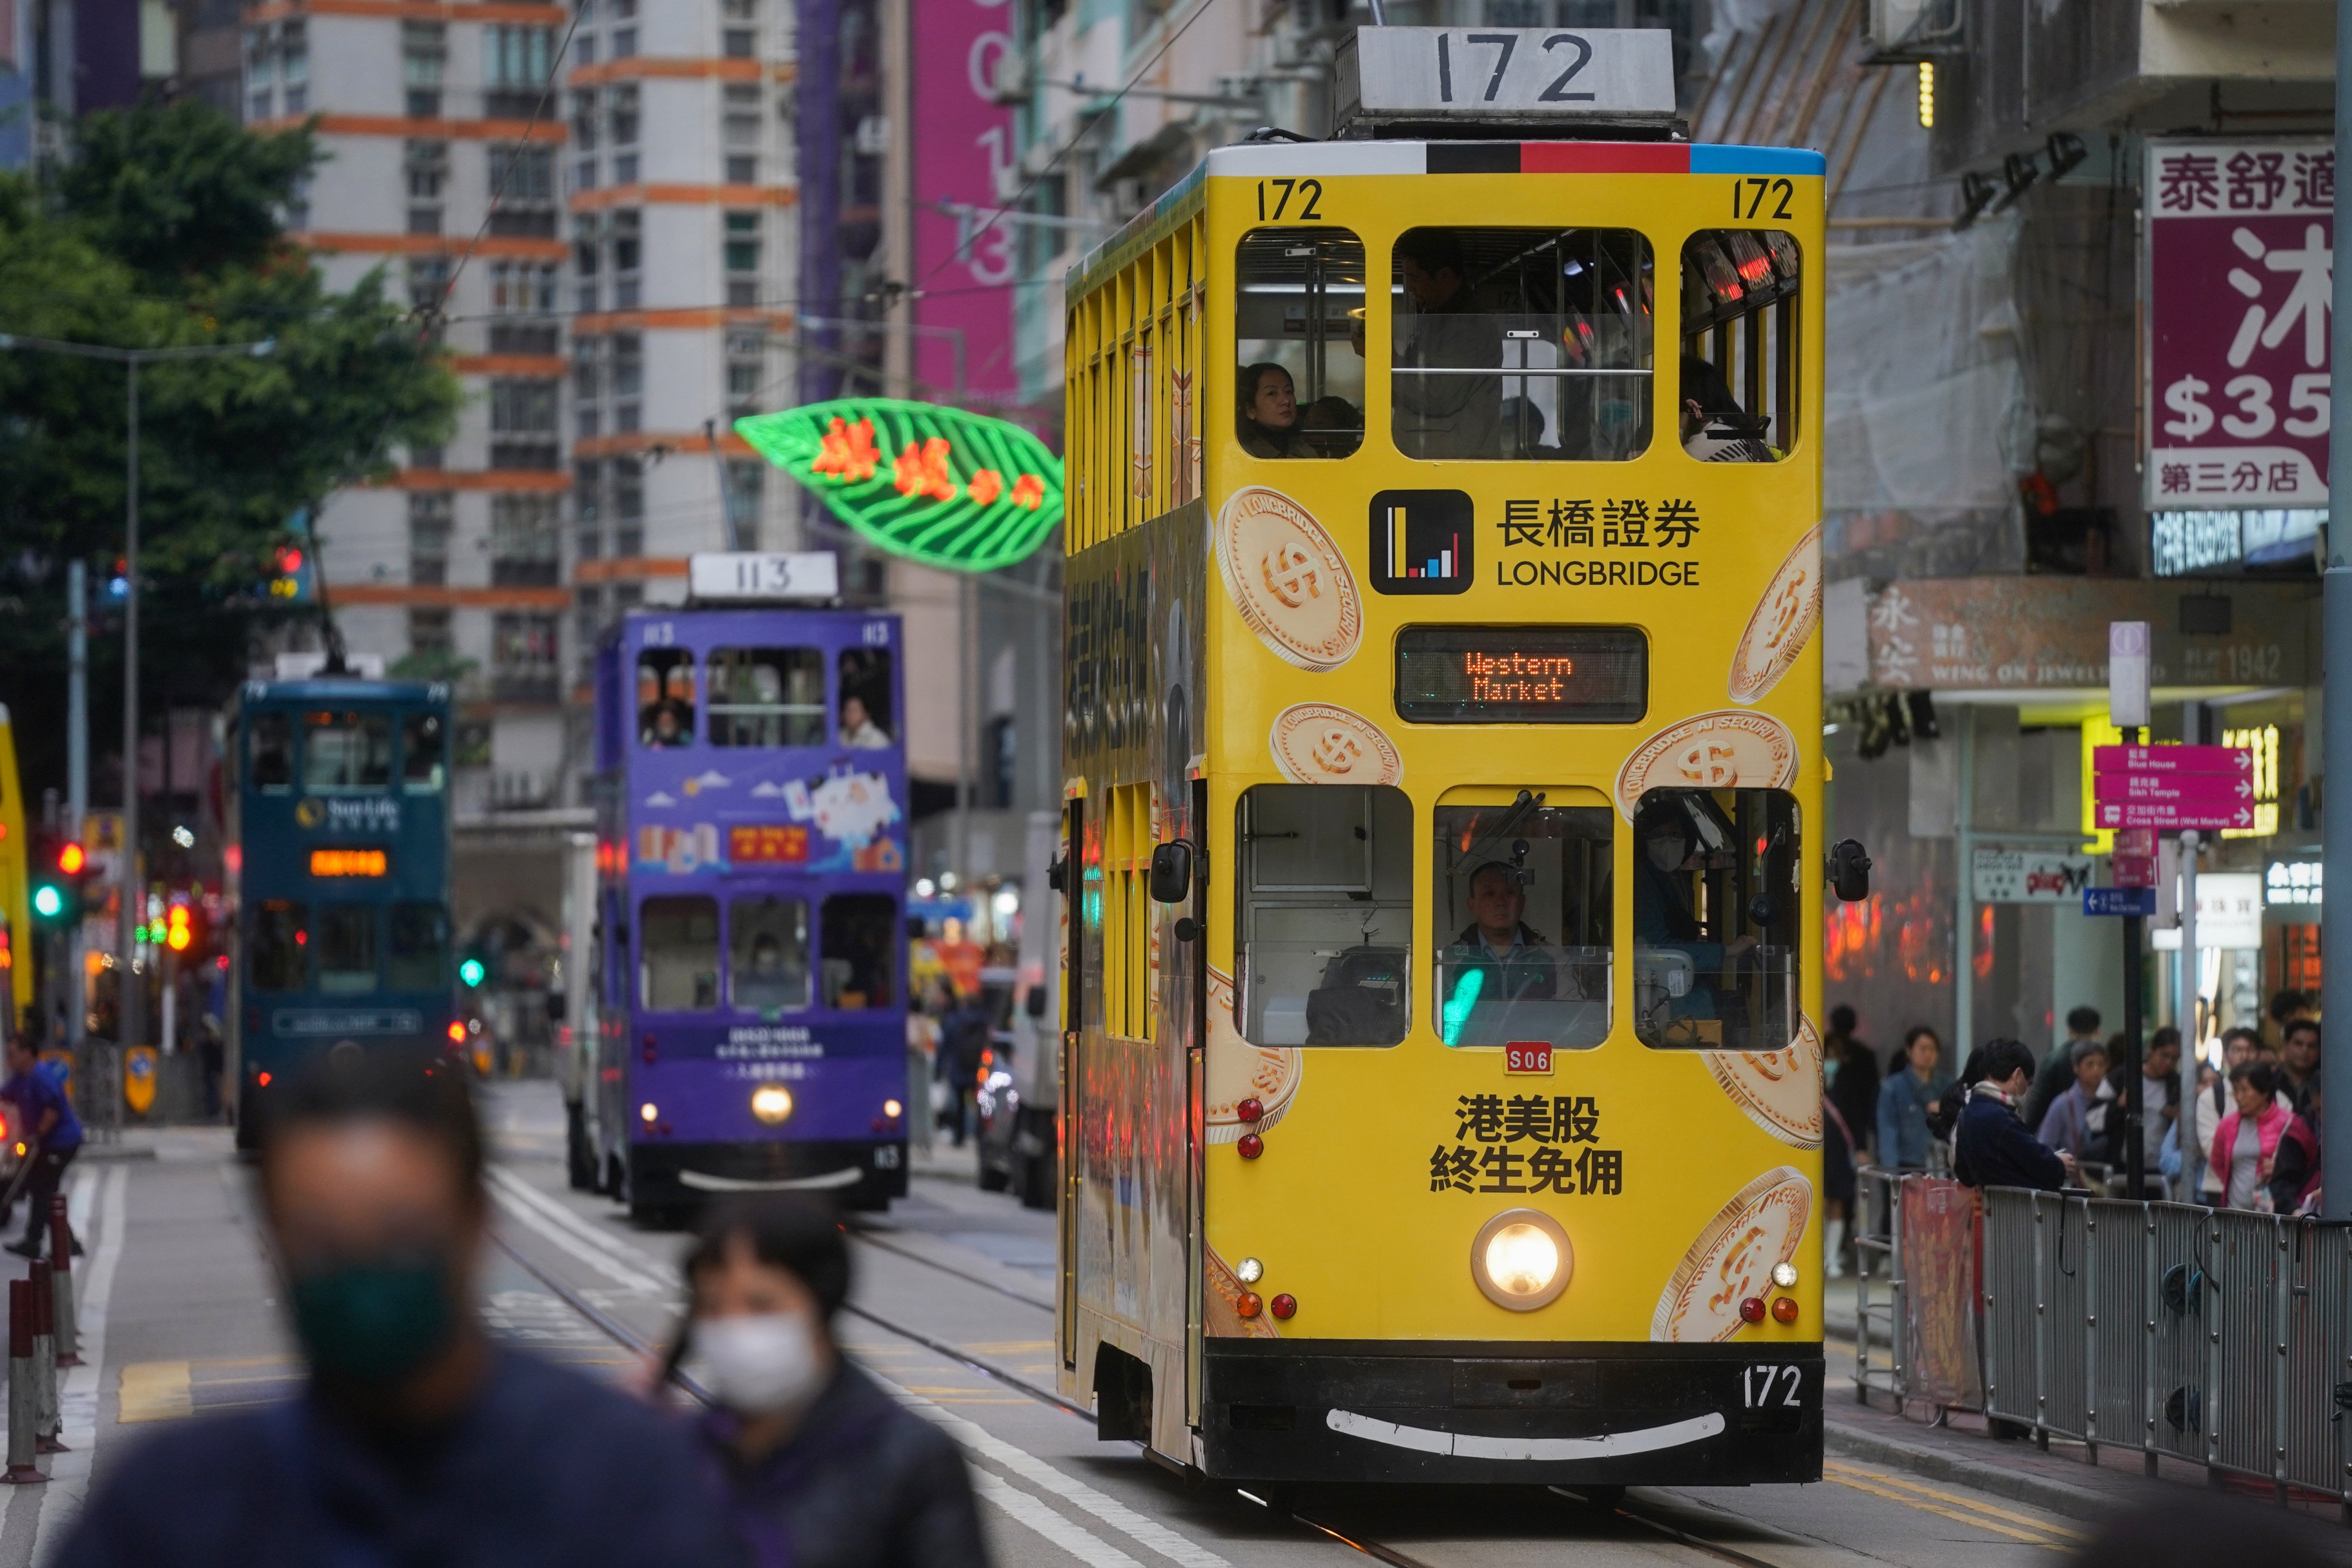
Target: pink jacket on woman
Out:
[2269,1127]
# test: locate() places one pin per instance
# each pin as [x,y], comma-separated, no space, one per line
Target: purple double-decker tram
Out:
[750,947]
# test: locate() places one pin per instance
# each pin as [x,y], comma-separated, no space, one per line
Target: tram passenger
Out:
[824,1468]
[415,1438]
[1269,413]
[1497,957]
[859,732]
[668,719]
[1662,915]
[1334,426]
[1715,429]
[1443,415]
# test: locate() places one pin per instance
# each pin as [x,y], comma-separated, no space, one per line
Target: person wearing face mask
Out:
[415,1439]
[824,1468]
[1663,914]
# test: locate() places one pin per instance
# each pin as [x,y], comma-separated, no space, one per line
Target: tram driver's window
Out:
[1298,328]
[767,955]
[273,752]
[1521,895]
[766,697]
[421,745]
[1737,401]
[1521,345]
[665,697]
[347,948]
[857,936]
[1326,915]
[279,958]
[346,751]
[1718,889]
[677,954]
[867,720]
[418,959]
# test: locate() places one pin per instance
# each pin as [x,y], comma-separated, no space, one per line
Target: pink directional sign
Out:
[2234,759]
[2171,814]
[2199,792]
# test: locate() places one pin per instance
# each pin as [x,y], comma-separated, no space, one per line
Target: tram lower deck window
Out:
[677,954]
[1521,897]
[279,956]
[858,936]
[418,958]
[767,955]
[347,948]
[1326,915]
[1716,903]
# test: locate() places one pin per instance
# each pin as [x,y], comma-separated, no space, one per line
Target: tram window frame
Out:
[658,917]
[662,664]
[373,734]
[1478,258]
[421,969]
[795,946]
[424,739]
[1326,904]
[1742,345]
[1718,826]
[749,720]
[272,963]
[877,913]
[350,949]
[864,673]
[1270,261]
[269,752]
[1553,989]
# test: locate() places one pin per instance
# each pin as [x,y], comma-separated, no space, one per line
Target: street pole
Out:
[76,777]
[1964,932]
[2131,1098]
[129,996]
[2335,827]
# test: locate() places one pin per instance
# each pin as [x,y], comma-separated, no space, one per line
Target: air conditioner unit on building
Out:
[1901,31]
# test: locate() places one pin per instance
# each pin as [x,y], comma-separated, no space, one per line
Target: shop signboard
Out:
[2229,913]
[2240,241]
[2029,876]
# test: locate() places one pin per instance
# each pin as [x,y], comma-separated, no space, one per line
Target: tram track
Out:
[1325,1526]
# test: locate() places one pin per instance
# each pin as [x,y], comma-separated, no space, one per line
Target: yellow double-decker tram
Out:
[1440,1093]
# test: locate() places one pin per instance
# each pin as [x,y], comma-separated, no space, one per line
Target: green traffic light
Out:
[48,901]
[470,971]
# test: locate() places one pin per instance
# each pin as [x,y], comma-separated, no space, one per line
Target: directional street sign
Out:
[2119,900]
[2202,792]
[2235,760]
[2171,816]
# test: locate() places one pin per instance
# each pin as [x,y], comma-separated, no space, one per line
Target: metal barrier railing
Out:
[1924,1225]
[1876,1192]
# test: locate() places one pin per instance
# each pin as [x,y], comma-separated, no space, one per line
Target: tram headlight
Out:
[1784,1274]
[771,1102]
[647,1113]
[1521,1259]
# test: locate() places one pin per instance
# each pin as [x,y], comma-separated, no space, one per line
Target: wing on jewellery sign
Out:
[2241,238]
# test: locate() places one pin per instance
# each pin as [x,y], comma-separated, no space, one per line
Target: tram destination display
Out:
[1522,674]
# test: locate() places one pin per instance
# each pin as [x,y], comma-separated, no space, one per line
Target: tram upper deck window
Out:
[273,751]
[858,936]
[1521,345]
[418,959]
[1521,891]
[665,697]
[1741,349]
[422,743]
[865,715]
[1326,915]
[766,697]
[280,956]
[1299,327]
[346,751]
[767,959]
[1717,897]
[677,954]
[347,948]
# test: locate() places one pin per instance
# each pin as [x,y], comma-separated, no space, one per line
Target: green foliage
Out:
[164,233]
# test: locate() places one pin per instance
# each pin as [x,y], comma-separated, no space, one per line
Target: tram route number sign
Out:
[1520,72]
[766,577]
[1528,1057]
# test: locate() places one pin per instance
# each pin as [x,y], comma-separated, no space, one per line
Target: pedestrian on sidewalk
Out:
[2075,1123]
[823,1468]
[2058,1068]
[2246,1142]
[963,1039]
[2157,1112]
[2295,1167]
[43,1118]
[416,1440]
[1909,1098]
[2239,1046]
[1991,1146]
[2299,1060]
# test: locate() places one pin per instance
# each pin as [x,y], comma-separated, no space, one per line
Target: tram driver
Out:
[1498,957]
[770,982]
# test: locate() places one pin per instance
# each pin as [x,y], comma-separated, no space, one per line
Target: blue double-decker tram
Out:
[339,872]
[751,872]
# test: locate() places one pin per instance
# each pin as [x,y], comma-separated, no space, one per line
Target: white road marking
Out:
[1068,1488]
[1465,1445]
[552,1221]
[1090,1549]
[77,1393]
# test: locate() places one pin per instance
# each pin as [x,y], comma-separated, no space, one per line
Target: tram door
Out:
[1195,1034]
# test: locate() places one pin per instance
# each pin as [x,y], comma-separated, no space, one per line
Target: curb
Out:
[2058,1497]
[96,1154]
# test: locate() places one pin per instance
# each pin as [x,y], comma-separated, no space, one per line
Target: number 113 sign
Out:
[2241,243]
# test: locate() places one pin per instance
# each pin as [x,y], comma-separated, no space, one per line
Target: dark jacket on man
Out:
[1994,1150]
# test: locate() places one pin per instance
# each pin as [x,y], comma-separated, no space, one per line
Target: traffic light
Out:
[471,972]
[179,928]
[58,889]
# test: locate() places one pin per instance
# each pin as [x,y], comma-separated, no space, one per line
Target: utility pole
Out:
[76,777]
[2335,826]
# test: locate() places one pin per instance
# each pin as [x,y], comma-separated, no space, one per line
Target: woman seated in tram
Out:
[1268,423]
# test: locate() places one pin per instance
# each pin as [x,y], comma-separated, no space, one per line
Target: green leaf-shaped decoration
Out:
[935,485]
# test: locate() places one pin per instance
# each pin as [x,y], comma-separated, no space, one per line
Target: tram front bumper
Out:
[856,1174]
[1634,1415]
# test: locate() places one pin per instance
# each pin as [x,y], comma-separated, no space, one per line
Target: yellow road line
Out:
[1951,1513]
[154,1391]
[1954,1498]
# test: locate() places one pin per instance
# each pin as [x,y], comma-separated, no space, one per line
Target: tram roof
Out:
[1336,158]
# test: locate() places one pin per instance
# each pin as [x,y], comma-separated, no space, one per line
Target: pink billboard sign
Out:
[2197,792]
[962,156]
[2237,762]
[2240,252]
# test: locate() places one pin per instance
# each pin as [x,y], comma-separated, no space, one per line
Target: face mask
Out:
[762,1362]
[375,1321]
[1665,854]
